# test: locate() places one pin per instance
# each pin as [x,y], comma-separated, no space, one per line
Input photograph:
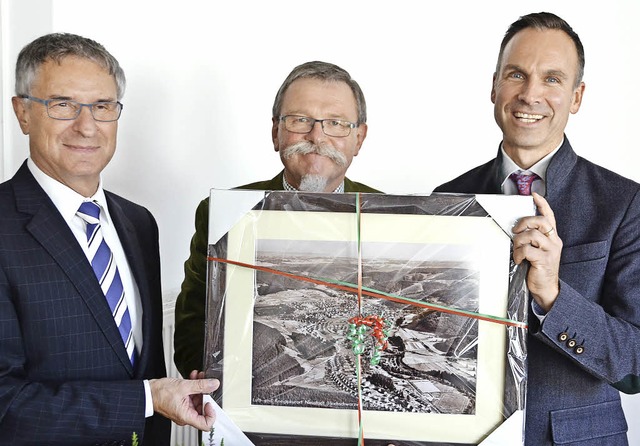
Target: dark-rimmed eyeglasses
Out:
[331,127]
[67,110]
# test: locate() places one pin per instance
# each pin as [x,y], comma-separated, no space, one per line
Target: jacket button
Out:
[562,337]
[579,350]
[571,343]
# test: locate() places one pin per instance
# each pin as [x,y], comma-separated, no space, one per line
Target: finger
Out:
[544,209]
[196,401]
[202,423]
[530,223]
[529,252]
[541,225]
[550,232]
[209,413]
[523,252]
[195,374]
[549,243]
[205,421]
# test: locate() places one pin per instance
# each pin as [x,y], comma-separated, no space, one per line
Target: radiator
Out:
[180,435]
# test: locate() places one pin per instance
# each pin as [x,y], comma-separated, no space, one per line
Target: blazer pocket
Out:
[585,252]
[581,424]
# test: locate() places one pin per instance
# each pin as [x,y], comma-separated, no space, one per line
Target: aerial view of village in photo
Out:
[303,358]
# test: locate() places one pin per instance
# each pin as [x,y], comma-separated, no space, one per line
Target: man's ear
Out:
[493,89]
[361,134]
[274,133]
[577,98]
[20,109]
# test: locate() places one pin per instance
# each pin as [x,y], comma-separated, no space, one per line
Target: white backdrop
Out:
[202,76]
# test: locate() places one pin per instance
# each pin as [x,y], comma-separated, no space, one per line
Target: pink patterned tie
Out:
[523,182]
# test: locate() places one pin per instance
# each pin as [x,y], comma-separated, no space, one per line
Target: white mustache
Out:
[306,147]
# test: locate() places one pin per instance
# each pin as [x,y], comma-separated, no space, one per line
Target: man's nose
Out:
[85,123]
[317,132]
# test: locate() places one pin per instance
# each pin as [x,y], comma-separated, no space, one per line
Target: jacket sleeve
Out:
[191,302]
[596,320]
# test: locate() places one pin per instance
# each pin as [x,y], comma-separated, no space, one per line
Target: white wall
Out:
[18,26]
[202,76]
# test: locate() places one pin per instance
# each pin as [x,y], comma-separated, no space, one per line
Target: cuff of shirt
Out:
[538,311]
[148,407]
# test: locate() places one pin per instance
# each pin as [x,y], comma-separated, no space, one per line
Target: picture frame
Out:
[271,227]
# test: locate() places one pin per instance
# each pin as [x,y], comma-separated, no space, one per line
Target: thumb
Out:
[543,208]
[203,385]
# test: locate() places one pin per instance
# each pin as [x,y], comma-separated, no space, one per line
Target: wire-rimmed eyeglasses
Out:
[331,126]
[68,110]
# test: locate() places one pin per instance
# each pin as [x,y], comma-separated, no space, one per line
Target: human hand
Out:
[180,400]
[537,241]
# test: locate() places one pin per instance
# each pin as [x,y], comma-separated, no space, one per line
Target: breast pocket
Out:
[584,253]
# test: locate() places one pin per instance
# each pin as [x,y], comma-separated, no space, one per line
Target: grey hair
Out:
[57,46]
[326,72]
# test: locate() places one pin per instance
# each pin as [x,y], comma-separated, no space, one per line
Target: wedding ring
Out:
[549,232]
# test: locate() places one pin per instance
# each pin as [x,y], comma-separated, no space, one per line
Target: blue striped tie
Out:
[104,266]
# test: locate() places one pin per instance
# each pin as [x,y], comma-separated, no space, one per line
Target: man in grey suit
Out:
[81,358]
[584,255]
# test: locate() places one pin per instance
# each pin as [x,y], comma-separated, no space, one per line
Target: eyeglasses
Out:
[331,127]
[67,110]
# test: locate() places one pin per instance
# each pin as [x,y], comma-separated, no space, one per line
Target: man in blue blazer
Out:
[66,376]
[584,255]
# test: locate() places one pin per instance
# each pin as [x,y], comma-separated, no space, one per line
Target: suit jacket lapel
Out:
[277,182]
[491,183]
[135,257]
[49,228]
[559,169]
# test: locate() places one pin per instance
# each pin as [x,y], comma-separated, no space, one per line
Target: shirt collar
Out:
[540,168]
[290,188]
[65,199]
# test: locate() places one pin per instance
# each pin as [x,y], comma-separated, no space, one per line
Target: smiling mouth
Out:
[81,148]
[527,118]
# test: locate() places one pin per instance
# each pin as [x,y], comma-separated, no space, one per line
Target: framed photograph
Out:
[286,287]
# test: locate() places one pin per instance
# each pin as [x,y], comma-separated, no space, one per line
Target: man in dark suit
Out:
[319,124]
[81,359]
[584,256]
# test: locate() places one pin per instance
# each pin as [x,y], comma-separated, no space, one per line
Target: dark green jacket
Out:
[191,302]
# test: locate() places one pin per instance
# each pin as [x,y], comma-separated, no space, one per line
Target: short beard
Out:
[306,147]
[312,183]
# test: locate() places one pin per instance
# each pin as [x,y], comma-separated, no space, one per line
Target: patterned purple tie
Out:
[104,266]
[523,182]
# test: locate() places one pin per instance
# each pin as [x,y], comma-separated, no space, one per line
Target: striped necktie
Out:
[523,182]
[104,266]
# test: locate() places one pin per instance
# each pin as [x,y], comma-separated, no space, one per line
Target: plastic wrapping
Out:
[337,317]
